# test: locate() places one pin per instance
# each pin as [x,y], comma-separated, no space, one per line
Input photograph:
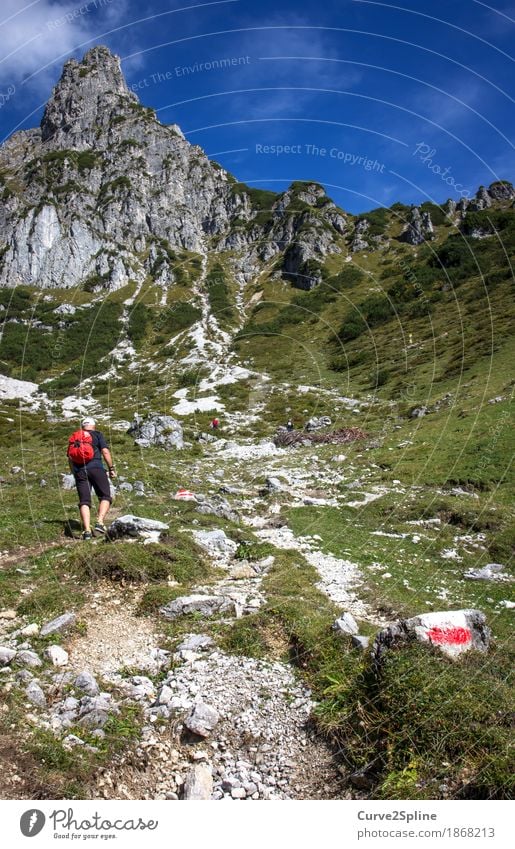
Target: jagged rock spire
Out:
[85,98]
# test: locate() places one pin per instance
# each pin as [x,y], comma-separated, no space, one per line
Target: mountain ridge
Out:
[87,197]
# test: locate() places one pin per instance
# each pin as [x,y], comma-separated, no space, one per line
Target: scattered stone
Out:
[165,695]
[316,423]
[490,572]
[42,482]
[125,486]
[67,482]
[35,694]
[61,623]
[71,741]
[238,793]
[87,683]
[204,604]
[94,710]
[359,642]
[273,485]
[57,655]
[28,658]
[206,437]
[201,720]
[218,506]
[142,687]
[199,783]
[31,630]
[419,412]
[216,543]
[196,642]
[7,614]
[453,631]
[15,470]
[24,676]
[6,655]
[346,624]
[242,571]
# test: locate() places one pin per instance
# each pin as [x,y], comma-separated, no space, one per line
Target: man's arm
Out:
[106,454]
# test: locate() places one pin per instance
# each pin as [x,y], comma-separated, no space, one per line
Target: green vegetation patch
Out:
[219,294]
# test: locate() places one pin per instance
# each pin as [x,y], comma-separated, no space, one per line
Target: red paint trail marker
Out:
[184,495]
[449,636]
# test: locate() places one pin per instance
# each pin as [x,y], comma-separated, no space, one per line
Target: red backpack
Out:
[80,447]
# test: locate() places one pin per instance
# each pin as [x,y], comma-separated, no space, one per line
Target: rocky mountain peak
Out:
[88,95]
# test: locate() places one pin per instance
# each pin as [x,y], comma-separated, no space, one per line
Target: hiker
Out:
[215,424]
[86,448]
[289,425]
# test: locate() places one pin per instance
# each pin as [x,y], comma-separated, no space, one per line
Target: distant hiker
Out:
[289,425]
[86,448]
[215,423]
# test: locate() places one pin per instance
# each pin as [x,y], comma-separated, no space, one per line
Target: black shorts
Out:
[88,479]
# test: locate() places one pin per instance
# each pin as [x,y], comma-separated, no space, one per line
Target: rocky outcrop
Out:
[103,193]
[164,431]
[359,242]
[501,190]
[419,228]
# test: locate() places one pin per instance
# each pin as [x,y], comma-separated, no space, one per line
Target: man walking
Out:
[86,448]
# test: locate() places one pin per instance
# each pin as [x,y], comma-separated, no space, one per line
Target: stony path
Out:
[260,748]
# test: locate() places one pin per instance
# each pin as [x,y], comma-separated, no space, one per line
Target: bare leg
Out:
[103,509]
[85,514]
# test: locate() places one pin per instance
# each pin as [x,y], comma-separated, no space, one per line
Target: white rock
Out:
[35,694]
[57,655]
[31,630]
[199,783]
[202,719]
[6,655]
[346,624]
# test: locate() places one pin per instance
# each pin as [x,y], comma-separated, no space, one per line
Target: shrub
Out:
[139,320]
[178,317]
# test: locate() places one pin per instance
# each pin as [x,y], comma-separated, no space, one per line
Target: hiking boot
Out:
[100,528]
[86,535]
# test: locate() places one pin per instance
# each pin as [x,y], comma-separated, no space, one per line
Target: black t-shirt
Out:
[99,442]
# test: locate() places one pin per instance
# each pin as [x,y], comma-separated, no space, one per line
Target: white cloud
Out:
[36,34]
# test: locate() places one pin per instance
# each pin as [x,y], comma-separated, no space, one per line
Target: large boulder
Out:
[163,431]
[136,527]
[452,631]
[206,605]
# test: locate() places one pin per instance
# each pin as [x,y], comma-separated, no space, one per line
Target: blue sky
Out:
[379,102]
